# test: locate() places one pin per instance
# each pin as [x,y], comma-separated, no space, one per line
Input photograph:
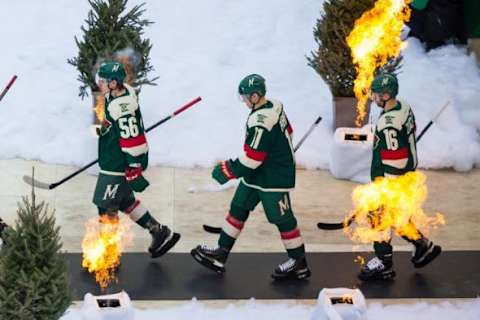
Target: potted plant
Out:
[113,33]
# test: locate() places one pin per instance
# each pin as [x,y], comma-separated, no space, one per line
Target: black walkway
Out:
[176,276]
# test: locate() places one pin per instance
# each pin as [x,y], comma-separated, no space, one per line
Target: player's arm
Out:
[255,151]
[377,168]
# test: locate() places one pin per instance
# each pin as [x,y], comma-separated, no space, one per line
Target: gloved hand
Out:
[135,179]
[223,172]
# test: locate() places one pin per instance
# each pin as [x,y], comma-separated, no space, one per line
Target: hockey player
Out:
[394,154]
[123,156]
[266,169]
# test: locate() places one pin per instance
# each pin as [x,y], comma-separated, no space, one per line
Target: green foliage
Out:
[108,32]
[332,61]
[33,274]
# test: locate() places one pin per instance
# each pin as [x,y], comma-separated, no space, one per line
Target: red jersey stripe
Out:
[254,154]
[132,207]
[235,222]
[394,154]
[289,128]
[133,142]
[290,234]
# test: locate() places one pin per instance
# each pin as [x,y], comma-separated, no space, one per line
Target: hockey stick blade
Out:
[211,229]
[37,184]
[335,225]
[329,226]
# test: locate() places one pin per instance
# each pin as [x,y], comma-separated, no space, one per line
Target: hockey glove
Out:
[135,179]
[223,172]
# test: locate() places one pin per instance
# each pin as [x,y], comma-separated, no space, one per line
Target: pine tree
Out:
[33,274]
[109,34]
[333,61]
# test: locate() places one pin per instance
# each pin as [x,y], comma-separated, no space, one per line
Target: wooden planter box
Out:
[345,112]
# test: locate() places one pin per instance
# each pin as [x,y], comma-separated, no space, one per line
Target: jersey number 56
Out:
[128,127]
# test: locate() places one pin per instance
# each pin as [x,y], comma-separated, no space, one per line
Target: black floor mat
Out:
[176,276]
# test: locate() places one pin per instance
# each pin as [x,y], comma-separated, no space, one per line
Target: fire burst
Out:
[103,244]
[375,39]
[99,107]
[392,203]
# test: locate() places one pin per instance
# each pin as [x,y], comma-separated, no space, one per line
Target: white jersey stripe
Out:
[292,243]
[231,230]
[399,164]
[137,213]
[136,151]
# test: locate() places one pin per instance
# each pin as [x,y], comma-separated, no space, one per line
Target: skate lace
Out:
[375,263]
[287,264]
[209,249]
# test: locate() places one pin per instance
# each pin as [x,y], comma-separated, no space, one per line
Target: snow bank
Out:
[205,48]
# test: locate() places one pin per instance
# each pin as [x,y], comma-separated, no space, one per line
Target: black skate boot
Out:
[425,251]
[213,258]
[377,269]
[163,239]
[292,269]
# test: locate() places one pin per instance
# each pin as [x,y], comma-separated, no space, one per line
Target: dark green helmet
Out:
[112,71]
[385,83]
[253,83]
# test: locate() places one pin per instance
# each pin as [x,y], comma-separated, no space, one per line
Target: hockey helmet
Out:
[112,71]
[253,83]
[385,83]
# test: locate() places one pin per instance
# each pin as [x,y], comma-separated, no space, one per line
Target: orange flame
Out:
[360,260]
[375,39]
[391,203]
[99,107]
[103,244]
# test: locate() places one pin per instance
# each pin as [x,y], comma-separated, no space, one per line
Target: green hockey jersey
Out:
[268,161]
[394,147]
[122,142]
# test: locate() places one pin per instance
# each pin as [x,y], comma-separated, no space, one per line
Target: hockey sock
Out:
[140,215]
[232,227]
[384,251]
[291,238]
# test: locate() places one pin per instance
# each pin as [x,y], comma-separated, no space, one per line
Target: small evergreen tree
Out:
[33,274]
[109,35]
[333,61]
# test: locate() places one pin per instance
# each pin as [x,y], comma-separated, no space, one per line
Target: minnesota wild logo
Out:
[389,119]
[261,118]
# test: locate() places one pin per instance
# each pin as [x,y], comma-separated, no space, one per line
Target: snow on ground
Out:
[279,311]
[203,48]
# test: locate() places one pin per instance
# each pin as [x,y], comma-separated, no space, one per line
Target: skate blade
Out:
[166,247]
[206,263]
[382,277]
[435,253]
[292,276]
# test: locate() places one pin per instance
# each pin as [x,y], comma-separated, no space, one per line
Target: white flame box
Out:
[351,153]
[107,307]
[340,304]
